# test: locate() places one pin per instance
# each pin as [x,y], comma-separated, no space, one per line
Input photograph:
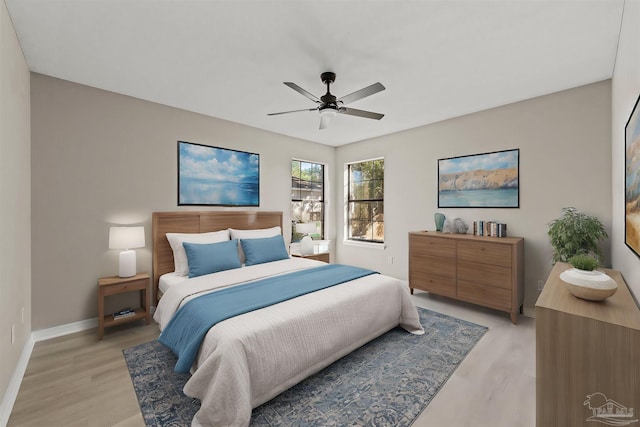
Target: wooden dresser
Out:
[487,271]
[587,357]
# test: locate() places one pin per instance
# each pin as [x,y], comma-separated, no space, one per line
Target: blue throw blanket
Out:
[186,330]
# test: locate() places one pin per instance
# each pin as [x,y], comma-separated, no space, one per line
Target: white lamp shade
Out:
[126,237]
[306,227]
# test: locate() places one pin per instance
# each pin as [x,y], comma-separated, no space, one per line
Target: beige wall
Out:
[625,90]
[100,159]
[15,199]
[565,160]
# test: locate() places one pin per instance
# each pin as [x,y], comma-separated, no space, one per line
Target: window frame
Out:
[322,201]
[349,199]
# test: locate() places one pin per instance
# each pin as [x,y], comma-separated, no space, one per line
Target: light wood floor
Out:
[76,380]
[495,386]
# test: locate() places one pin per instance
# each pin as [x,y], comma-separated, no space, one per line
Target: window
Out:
[365,208]
[307,197]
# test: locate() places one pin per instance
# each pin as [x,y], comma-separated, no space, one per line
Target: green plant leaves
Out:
[575,233]
[584,262]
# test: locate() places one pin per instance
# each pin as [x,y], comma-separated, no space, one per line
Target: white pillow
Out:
[180,256]
[257,233]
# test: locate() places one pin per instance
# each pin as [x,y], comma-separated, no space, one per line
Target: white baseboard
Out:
[69,328]
[13,388]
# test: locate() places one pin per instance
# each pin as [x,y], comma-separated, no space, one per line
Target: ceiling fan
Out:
[329,106]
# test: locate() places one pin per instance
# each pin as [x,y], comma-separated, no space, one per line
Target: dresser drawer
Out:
[488,296]
[486,274]
[435,246]
[428,264]
[439,285]
[484,252]
[137,285]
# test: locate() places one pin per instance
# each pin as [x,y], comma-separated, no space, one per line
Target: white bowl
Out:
[590,285]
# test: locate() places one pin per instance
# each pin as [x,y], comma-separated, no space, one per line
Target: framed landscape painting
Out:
[632,180]
[213,176]
[487,180]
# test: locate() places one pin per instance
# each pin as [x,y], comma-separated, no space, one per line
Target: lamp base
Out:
[306,245]
[127,263]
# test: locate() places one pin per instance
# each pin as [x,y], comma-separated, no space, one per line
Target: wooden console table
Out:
[586,353]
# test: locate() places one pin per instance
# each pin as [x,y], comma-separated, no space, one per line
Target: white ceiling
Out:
[229,58]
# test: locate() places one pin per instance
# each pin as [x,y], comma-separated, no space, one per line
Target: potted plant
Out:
[576,233]
[585,282]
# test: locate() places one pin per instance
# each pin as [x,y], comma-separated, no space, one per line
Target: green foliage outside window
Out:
[366,201]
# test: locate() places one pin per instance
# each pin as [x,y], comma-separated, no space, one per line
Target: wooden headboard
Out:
[199,222]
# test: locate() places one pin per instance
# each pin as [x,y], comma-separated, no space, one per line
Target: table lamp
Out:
[127,238]
[306,243]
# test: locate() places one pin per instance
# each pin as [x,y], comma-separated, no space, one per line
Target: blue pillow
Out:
[258,251]
[206,258]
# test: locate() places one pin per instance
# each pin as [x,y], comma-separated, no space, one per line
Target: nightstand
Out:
[325,256]
[119,285]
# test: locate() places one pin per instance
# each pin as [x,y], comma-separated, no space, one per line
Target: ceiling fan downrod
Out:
[330,100]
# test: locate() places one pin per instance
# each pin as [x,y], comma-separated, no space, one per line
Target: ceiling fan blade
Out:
[361,113]
[303,92]
[292,111]
[362,93]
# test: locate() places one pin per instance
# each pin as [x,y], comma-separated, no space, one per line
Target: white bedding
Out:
[170,279]
[249,359]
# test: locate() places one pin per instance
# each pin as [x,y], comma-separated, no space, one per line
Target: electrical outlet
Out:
[540,284]
[390,260]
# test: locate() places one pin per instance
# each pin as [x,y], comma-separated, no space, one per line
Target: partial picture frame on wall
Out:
[632,180]
[486,180]
[215,176]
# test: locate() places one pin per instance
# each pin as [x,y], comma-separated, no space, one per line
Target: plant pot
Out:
[590,285]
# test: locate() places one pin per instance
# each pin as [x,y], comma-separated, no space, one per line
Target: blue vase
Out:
[439,218]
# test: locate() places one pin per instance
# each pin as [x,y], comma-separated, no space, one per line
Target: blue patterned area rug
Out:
[387,382]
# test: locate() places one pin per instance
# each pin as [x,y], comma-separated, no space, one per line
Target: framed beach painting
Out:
[632,180]
[487,180]
[213,176]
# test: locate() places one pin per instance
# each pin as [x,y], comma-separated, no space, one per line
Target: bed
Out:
[246,360]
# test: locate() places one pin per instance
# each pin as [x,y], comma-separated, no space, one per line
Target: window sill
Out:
[369,245]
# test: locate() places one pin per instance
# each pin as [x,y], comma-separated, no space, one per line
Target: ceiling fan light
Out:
[325,117]
[328,113]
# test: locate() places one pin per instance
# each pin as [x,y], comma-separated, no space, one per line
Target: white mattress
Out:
[170,279]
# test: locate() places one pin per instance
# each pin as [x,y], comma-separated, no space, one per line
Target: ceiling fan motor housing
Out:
[328,77]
